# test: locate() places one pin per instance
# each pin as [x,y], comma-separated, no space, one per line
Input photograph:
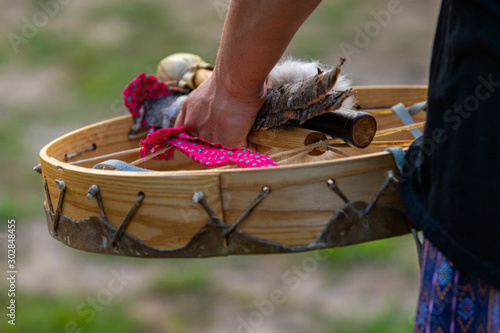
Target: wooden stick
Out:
[399,129]
[289,137]
[354,127]
[378,112]
[147,158]
[338,151]
[292,151]
[295,156]
[300,151]
[393,143]
[106,156]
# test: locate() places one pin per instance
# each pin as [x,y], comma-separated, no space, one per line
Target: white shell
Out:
[179,69]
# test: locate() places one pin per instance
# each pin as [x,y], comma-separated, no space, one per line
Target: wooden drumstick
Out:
[289,137]
[354,127]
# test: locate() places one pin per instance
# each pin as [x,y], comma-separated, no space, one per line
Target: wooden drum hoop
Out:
[290,208]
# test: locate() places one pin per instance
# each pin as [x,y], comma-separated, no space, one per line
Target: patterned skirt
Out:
[451,301]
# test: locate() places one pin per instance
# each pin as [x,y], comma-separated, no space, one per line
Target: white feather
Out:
[171,112]
[289,70]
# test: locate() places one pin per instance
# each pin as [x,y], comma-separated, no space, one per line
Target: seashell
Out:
[184,70]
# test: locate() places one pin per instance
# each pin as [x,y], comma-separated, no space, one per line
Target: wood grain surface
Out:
[295,212]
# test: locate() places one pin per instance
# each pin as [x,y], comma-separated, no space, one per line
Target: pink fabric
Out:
[142,87]
[201,151]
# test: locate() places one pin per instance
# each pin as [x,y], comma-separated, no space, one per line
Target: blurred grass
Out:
[58,313]
[9,139]
[184,279]
[387,320]
[16,199]
[396,250]
[328,25]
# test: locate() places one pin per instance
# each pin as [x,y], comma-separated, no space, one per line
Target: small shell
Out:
[179,69]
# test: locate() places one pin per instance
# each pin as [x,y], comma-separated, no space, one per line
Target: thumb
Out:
[180,118]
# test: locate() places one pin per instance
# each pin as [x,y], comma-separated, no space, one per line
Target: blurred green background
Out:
[64,64]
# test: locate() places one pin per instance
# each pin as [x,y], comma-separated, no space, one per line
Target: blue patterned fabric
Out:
[451,301]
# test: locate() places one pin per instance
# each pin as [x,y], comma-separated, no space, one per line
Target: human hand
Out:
[221,115]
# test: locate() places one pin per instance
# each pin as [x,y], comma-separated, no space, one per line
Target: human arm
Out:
[255,35]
